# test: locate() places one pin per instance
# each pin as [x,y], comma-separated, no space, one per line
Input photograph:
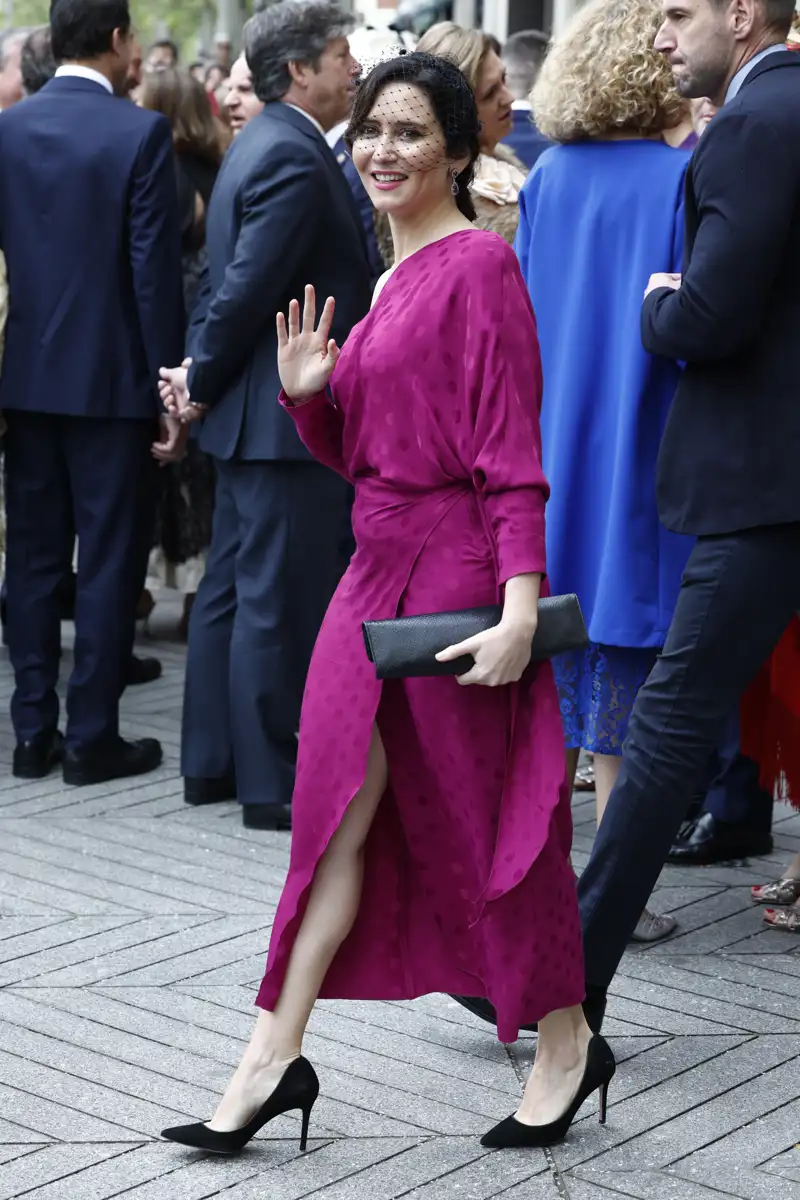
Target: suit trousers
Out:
[735,794]
[94,477]
[272,567]
[737,596]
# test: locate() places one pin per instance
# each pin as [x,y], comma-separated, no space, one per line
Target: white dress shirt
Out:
[735,84]
[307,116]
[85,73]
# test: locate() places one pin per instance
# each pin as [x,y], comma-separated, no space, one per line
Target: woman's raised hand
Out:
[306,356]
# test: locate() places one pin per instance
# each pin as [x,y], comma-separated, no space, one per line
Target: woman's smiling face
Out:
[399,152]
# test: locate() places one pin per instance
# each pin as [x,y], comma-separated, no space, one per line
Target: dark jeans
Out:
[738,594]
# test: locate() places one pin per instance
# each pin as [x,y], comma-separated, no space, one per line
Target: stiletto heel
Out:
[603,1103]
[600,1068]
[304,1130]
[298,1088]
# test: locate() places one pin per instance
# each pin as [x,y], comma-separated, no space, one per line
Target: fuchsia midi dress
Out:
[468,887]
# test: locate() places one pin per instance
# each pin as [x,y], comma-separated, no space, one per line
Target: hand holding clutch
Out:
[500,653]
[409,647]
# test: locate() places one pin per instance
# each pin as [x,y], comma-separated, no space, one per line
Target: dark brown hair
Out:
[451,99]
[184,102]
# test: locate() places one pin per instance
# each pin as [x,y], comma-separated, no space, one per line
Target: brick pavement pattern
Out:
[132,936]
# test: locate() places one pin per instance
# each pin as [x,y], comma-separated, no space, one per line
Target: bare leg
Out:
[573,754]
[329,917]
[606,770]
[558,1068]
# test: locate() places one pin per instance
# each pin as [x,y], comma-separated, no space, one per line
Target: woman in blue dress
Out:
[599,214]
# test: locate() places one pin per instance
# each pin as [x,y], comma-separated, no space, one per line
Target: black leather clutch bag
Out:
[406,647]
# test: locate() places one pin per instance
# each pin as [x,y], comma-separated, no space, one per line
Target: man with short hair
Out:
[162,55]
[282,216]
[727,471]
[11,42]
[523,55]
[94,276]
[241,101]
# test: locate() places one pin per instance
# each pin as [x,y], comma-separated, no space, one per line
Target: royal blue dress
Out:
[597,219]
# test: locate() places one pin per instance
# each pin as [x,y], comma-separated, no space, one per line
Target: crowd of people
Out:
[333,336]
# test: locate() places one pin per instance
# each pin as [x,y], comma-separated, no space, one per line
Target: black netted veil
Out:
[448,94]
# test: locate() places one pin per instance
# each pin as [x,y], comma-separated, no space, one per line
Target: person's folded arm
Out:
[745,186]
[280,211]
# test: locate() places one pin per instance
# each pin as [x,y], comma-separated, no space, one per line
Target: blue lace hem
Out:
[596,689]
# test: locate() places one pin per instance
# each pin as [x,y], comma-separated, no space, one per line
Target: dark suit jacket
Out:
[525,139]
[364,206]
[89,228]
[730,455]
[281,216]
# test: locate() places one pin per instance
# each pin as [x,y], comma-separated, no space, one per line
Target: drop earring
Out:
[454,186]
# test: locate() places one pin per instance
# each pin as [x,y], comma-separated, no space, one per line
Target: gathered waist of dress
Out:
[394,517]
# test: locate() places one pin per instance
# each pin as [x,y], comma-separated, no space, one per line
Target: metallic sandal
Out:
[787,919]
[782,891]
[584,778]
[653,927]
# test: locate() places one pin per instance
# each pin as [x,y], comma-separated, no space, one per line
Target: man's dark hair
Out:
[778,14]
[37,62]
[292,31]
[166,44]
[82,29]
[523,55]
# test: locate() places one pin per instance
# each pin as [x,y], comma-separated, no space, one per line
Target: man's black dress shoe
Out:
[594,1009]
[208,791]
[36,759]
[707,840]
[142,670]
[267,816]
[117,761]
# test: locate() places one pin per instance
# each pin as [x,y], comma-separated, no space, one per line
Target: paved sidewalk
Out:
[132,937]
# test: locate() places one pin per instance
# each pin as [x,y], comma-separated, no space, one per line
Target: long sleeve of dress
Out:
[505,380]
[320,425]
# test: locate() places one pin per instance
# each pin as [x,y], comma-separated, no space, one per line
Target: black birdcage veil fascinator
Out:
[417,111]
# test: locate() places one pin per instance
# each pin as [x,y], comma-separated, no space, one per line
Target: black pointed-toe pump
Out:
[298,1089]
[600,1068]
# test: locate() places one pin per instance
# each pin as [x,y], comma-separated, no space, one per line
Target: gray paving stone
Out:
[82,940]
[683,1091]
[485,1177]
[10,1153]
[644,1185]
[49,1164]
[133,932]
[176,955]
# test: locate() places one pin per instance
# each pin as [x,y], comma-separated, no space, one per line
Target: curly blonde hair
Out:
[603,76]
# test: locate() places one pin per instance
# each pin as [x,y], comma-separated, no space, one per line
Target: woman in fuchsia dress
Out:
[431,818]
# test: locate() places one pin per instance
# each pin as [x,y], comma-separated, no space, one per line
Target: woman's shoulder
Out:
[482,263]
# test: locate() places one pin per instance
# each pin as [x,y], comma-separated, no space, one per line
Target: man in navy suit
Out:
[281,216]
[523,55]
[89,229]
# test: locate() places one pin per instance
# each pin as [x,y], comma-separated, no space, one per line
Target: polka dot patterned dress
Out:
[468,887]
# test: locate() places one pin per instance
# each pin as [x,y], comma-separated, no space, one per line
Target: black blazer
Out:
[730,454]
[281,216]
[89,228]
